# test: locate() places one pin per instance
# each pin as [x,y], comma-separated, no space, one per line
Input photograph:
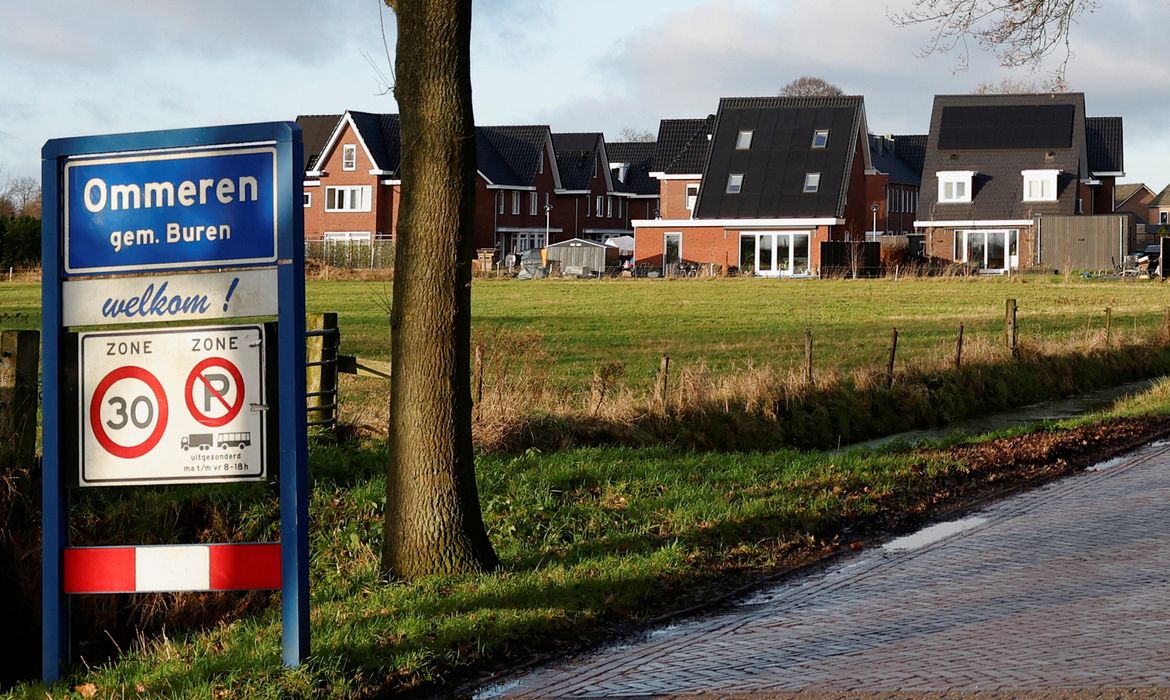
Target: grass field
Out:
[571,328]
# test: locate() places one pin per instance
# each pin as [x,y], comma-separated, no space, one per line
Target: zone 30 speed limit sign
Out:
[173,405]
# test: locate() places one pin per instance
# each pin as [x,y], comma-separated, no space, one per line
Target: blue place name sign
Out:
[170,210]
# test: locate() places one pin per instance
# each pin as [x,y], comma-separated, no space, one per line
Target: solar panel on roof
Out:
[1006,126]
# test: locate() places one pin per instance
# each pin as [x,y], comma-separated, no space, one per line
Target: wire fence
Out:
[350,255]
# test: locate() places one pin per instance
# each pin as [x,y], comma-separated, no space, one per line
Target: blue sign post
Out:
[162,203]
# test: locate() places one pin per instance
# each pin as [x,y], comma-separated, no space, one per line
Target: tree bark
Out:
[433,523]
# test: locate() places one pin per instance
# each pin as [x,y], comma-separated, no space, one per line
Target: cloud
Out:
[94,37]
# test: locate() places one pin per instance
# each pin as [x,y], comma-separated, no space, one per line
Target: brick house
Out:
[892,188]
[680,154]
[630,163]
[1135,198]
[995,163]
[781,175]
[516,205]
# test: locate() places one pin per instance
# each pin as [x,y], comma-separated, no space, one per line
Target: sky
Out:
[77,67]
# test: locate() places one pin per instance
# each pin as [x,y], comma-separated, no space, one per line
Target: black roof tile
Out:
[315,132]
[682,146]
[883,153]
[997,191]
[577,158]
[639,155]
[780,156]
[1106,145]
[510,155]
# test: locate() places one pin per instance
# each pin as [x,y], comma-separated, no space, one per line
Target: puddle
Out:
[1047,410]
[932,534]
[1102,466]
[495,691]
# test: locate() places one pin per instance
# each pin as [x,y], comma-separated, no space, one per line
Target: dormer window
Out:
[954,186]
[812,182]
[820,138]
[692,196]
[349,157]
[744,141]
[1039,185]
[734,183]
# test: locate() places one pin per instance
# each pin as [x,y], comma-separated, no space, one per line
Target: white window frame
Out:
[346,237]
[743,141]
[820,138]
[958,182]
[348,198]
[349,157]
[500,202]
[1164,217]
[308,199]
[515,202]
[600,206]
[691,199]
[1039,185]
[533,203]
[667,234]
[735,183]
[608,207]
[812,183]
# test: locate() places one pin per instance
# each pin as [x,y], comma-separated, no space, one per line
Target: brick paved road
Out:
[1067,586]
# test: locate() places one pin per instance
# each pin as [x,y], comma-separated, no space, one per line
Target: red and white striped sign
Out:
[165,568]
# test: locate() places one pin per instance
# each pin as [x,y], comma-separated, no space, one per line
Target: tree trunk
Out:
[433,523]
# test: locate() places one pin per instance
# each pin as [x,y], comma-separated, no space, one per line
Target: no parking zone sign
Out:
[172,406]
[142,233]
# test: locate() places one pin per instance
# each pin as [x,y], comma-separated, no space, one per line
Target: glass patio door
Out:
[774,254]
[991,251]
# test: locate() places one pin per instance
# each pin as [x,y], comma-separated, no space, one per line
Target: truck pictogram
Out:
[200,440]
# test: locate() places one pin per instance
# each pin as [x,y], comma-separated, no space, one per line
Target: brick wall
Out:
[318,221]
[672,198]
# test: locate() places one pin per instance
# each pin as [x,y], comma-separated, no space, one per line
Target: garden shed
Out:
[578,256]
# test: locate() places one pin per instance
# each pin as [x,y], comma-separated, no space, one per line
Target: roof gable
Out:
[580,156]
[884,153]
[315,132]
[1050,135]
[511,155]
[780,157]
[682,146]
[378,135]
[638,155]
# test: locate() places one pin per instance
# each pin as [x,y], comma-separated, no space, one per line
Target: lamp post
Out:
[547,209]
[875,211]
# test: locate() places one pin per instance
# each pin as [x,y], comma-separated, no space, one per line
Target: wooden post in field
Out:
[808,356]
[893,356]
[660,383]
[1166,326]
[19,355]
[959,348]
[1010,328]
[321,374]
[1108,326]
[478,381]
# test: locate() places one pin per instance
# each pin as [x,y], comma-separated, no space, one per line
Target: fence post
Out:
[478,380]
[19,355]
[808,356]
[1010,328]
[893,356]
[1108,326]
[321,373]
[660,395]
[1166,326]
[959,348]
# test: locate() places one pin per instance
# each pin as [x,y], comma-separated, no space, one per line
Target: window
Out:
[352,198]
[499,202]
[540,165]
[533,202]
[734,183]
[600,206]
[609,207]
[586,206]
[515,202]
[1163,217]
[692,196]
[308,199]
[671,249]
[954,186]
[820,138]
[1039,185]
[349,157]
[744,141]
[1080,206]
[812,182]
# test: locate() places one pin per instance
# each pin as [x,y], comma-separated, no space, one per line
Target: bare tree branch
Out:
[1021,33]
[810,86]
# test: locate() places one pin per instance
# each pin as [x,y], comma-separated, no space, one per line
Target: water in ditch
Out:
[1056,409]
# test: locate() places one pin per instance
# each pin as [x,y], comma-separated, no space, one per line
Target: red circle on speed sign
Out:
[196,375]
[95,412]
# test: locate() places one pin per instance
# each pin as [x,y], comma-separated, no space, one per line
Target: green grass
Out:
[581,325]
[589,538]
